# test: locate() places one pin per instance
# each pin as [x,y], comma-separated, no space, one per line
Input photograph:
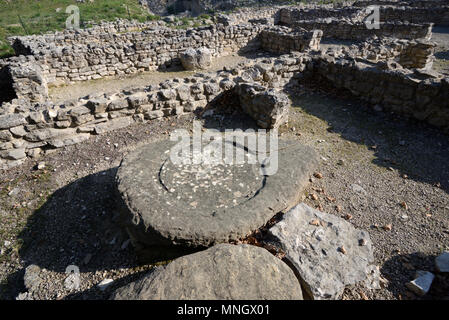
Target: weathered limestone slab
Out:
[199,205]
[68,140]
[46,134]
[11,120]
[327,252]
[14,154]
[223,272]
[114,124]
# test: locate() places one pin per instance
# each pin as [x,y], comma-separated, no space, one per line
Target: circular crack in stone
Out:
[222,272]
[196,205]
[226,185]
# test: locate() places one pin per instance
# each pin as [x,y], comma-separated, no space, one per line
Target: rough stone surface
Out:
[268,107]
[192,59]
[220,273]
[421,285]
[327,252]
[11,120]
[32,277]
[442,262]
[201,205]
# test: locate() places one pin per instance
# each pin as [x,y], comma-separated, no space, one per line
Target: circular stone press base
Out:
[198,205]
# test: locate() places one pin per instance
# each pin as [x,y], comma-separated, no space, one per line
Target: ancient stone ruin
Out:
[194,212]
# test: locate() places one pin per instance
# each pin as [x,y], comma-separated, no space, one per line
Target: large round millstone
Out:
[199,205]
[222,272]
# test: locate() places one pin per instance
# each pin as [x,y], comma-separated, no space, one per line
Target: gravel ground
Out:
[385,174]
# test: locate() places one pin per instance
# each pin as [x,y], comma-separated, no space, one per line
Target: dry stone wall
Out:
[288,16]
[438,14]
[409,3]
[283,40]
[108,54]
[30,129]
[349,30]
[436,11]
[418,54]
[245,15]
[414,93]
[24,78]
[27,130]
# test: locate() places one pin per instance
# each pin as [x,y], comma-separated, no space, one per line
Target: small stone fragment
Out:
[404,205]
[442,262]
[318,175]
[421,285]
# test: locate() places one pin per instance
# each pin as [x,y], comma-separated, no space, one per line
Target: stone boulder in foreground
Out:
[327,252]
[223,272]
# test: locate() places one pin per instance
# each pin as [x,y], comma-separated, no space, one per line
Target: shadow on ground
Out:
[224,112]
[402,268]
[77,220]
[412,147]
